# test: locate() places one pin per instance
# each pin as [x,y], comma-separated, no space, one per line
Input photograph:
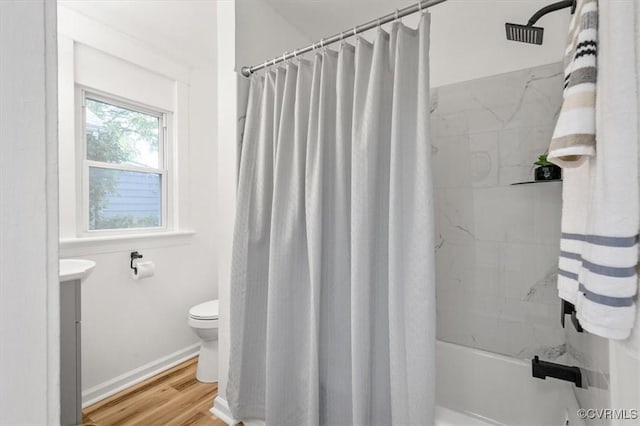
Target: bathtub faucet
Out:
[544,369]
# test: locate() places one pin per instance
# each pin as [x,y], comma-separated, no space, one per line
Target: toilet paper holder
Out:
[134,256]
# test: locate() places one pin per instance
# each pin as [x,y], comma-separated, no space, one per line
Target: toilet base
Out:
[207,371]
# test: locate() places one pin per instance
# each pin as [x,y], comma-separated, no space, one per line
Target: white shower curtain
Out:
[333,276]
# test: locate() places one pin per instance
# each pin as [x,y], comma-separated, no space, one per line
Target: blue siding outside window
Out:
[134,199]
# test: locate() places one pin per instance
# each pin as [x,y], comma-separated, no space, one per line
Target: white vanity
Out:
[72,273]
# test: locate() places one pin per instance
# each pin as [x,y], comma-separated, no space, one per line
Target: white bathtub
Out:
[478,388]
[475,387]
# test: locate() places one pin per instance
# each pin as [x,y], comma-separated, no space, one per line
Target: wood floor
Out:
[172,398]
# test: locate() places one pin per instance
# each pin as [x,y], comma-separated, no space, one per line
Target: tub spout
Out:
[544,369]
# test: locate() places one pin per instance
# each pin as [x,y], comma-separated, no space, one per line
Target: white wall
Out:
[624,368]
[29,310]
[132,328]
[261,33]
[227,175]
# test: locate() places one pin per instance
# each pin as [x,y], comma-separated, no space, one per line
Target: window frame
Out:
[84,164]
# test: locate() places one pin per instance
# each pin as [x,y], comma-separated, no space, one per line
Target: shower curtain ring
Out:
[420,6]
[397,17]
[284,57]
[355,31]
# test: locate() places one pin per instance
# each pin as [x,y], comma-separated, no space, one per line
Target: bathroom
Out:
[493,107]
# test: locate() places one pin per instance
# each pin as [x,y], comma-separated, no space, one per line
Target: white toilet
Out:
[203,318]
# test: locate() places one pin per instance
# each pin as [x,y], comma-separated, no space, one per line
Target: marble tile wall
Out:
[497,244]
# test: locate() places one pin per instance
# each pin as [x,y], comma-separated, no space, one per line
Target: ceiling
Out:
[183,29]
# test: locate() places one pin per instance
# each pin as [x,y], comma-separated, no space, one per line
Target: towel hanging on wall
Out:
[574,141]
[600,217]
[574,137]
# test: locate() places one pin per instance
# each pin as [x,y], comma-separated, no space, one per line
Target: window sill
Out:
[79,246]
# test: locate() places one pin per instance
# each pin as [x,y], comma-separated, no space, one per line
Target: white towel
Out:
[632,344]
[601,214]
[609,281]
[574,140]
[575,190]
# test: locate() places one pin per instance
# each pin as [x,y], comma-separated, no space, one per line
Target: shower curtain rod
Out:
[393,16]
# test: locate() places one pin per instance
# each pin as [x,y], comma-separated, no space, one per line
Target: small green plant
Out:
[542,161]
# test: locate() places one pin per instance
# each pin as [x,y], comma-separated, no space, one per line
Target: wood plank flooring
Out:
[172,398]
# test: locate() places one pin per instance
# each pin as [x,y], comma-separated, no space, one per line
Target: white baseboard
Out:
[221,410]
[126,380]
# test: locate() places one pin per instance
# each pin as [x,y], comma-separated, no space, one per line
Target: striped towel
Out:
[574,136]
[601,209]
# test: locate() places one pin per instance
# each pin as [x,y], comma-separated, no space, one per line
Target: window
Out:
[124,165]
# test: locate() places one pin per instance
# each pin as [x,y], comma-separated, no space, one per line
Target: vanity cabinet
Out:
[70,354]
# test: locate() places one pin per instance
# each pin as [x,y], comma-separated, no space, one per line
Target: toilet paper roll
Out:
[145,270]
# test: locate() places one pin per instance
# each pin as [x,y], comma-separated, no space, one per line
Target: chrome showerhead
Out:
[530,34]
[524,33]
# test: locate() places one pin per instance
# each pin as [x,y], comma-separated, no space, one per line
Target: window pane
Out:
[123,199]
[119,135]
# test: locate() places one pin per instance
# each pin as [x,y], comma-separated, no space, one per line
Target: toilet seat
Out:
[205,311]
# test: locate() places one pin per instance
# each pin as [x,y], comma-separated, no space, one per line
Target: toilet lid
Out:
[206,310]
